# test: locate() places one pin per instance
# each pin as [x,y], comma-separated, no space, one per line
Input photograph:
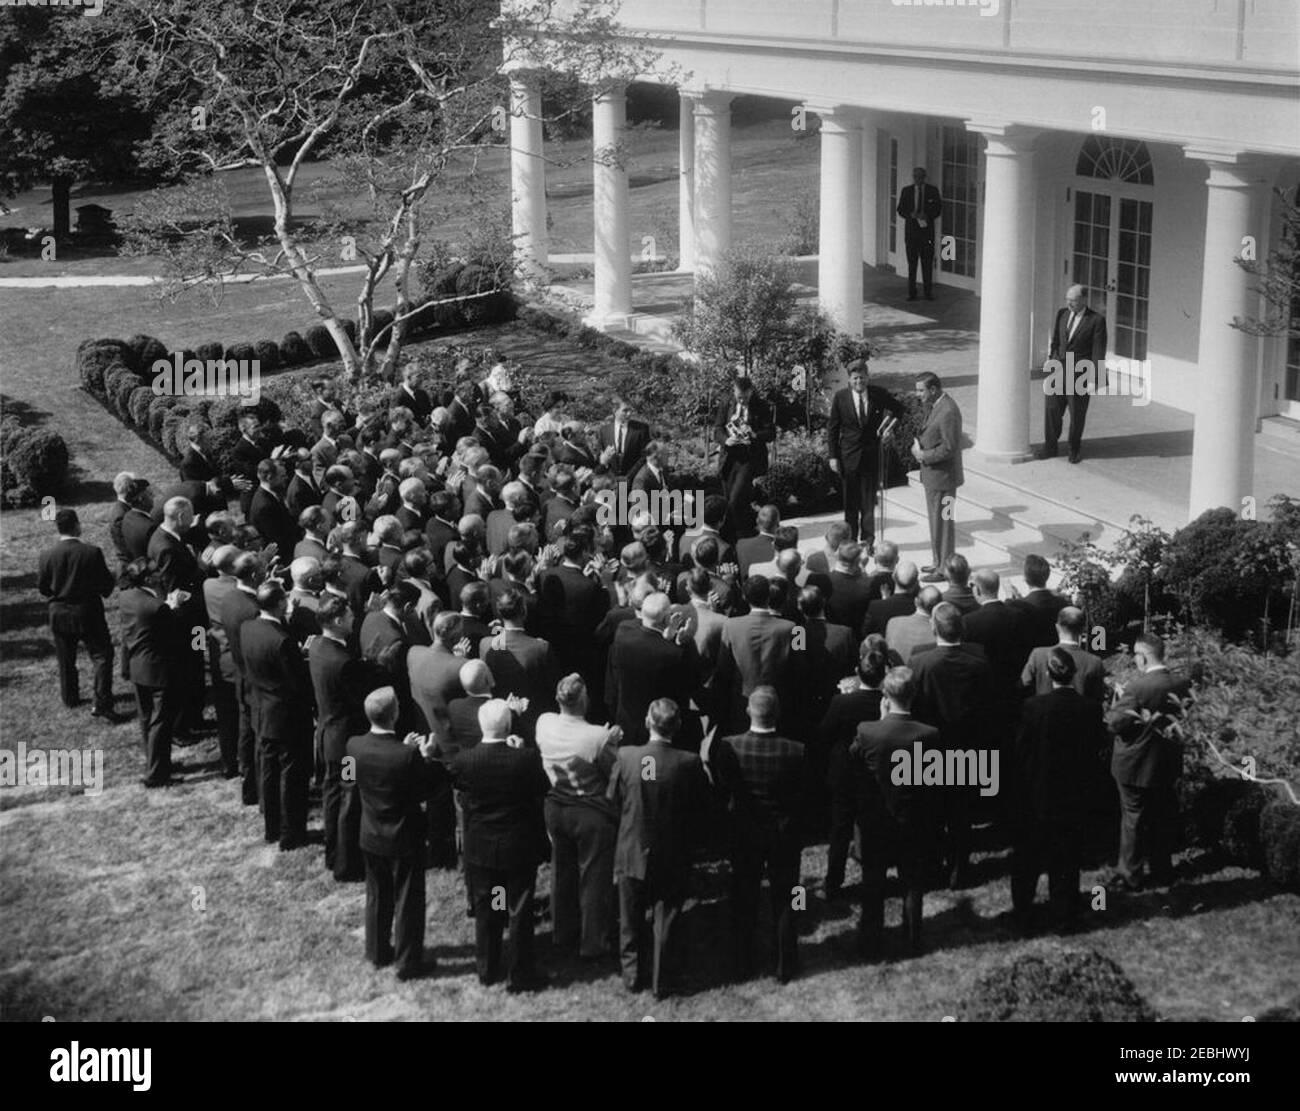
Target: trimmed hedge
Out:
[267,353]
[33,463]
[320,342]
[144,352]
[294,350]
[1057,984]
[210,351]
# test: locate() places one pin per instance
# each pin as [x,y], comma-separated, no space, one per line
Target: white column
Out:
[870,178]
[839,253]
[686,181]
[712,179]
[1223,444]
[1006,292]
[613,263]
[527,177]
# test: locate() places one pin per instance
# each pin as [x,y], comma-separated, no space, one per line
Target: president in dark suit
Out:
[859,423]
[392,778]
[896,822]
[938,450]
[743,426]
[920,206]
[74,577]
[760,774]
[1146,763]
[1077,363]
[660,793]
[503,785]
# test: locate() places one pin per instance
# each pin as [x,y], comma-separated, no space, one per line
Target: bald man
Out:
[1078,337]
[652,658]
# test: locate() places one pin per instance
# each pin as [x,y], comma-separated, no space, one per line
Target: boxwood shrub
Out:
[294,350]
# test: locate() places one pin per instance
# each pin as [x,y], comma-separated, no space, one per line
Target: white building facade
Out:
[1135,147]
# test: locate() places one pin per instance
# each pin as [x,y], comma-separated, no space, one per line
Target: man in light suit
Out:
[660,793]
[920,206]
[1079,347]
[905,635]
[152,632]
[1146,763]
[1089,677]
[860,421]
[742,427]
[755,652]
[938,450]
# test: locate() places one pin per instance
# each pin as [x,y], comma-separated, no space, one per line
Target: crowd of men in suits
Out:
[418,607]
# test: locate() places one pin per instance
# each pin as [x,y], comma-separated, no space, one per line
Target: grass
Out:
[101,894]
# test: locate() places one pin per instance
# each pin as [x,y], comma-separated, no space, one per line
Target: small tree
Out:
[1279,278]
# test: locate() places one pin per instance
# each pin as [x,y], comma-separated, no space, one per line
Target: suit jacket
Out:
[1041,607]
[555,509]
[274,522]
[73,572]
[962,597]
[153,636]
[726,551]
[236,607]
[855,446]
[1060,737]
[526,667]
[829,653]
[1089,673]
[644,666]
[279,679]
[461,422]
[754,549]
[301,494]
[392,780]
[434,676]
[324,454]
[569,607]
[883,610]
[462,730]
[1001,631]
[637,436]
[954,688]
[761,776]
[761,423]
[661,795]
[335,680]
[1087,343]
[849,598]
[437,535]
[418,402]
[940,440]
[755,651]
[1145,753]
[931,209]
[310,548]
[177,562]
[503,789]
[897,813]
[499,523]
[196,467]
[905,634]
[137,527]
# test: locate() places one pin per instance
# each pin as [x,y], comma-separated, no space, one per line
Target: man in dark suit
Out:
[1089,670]
[760,548]
[755,652]
[651,658]
[954,687]
[392,778]
[825,654]
[900,603]
[920,206]
[237,607]
[196,464]
[570,604]
[622,440]
[282,693]
[1146,763]
[503,785]
[137,522]
[896,824]
[411,395]
[180,570]
[153,634]
[441,529]
[660,793]
[520,664]
[334,679]
[1056,748]
[248,452]
[304,490]
[74,577]
[268,513]
[760,774]
[851,590]
[860,422]
[1039,605]
[956,569]
[1000,630]
[743,426]
[938,450]
[462,729]
[1076,364]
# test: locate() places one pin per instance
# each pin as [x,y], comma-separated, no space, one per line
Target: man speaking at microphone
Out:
[861,418]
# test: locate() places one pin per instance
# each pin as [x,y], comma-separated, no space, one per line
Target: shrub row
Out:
[33,463]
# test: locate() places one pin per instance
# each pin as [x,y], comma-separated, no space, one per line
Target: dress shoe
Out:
[929,569]
[152,783]
[935,577]
[538,981]
[912,296]
[1045,453]
[109,715]
[249,800]
[426,966]
[288,844]
[1074,457]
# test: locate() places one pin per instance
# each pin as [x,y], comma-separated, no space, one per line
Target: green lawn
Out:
[99,894]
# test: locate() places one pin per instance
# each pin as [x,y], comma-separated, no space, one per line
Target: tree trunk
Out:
[61,206]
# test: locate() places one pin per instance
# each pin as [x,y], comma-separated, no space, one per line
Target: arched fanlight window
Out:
[1126,160]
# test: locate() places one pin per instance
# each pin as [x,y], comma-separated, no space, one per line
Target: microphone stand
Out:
[886,426]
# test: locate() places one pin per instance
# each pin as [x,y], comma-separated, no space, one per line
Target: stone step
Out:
[1280,434]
